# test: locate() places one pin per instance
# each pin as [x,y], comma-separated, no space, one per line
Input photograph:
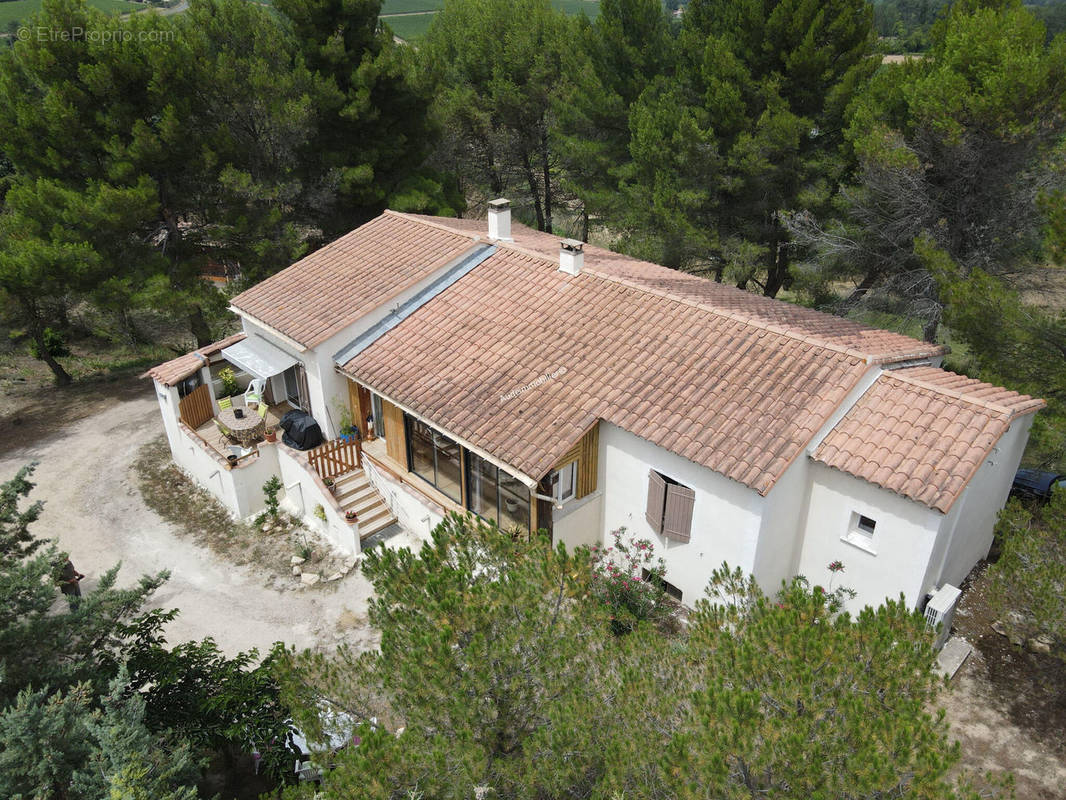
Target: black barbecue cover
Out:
[301,430]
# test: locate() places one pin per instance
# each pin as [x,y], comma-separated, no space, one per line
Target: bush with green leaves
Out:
[1028,580]
[270,493]
[627,579]
[497,663]
[230,387]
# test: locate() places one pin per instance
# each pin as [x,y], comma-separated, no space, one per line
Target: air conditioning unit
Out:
[940,611]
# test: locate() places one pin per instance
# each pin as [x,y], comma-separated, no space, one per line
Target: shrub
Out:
[270,492]
[620,583]
[230,387]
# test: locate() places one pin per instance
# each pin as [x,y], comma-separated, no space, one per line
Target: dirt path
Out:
[991,741]
[92,506]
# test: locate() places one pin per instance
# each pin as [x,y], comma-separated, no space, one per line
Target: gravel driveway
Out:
[93,508]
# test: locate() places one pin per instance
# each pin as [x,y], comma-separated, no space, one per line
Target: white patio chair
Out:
[254,392]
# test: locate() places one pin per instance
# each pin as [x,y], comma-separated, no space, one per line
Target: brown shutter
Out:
[656,500]
[677,520]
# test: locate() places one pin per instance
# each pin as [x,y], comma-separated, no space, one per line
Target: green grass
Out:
[590,8]
[15,11]
[415,25]
[411,27]
[407,6]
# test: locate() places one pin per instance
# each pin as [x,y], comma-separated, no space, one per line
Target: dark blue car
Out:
[1036,484]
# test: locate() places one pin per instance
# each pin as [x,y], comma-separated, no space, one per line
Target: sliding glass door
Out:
[434,457]
[495,495]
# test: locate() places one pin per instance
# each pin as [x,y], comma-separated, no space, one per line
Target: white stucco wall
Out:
[167,396]
[725,521]
[579,522]
[968,529]
[239,488]
[411,510]
[304,491]
[781,533]
[903,539]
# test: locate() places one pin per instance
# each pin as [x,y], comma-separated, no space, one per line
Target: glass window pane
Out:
[420,440]
[481,487]
[379,416]
[449,475]
[566,481]
[514,502]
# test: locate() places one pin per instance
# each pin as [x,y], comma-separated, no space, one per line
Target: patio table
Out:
[245,430]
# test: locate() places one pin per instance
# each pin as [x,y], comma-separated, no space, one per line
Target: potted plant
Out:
[270,434]
[351,516]
[330,484]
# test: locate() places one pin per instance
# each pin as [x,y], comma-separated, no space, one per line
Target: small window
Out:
[669,509]
[565,482]
[663,584]
[864,524]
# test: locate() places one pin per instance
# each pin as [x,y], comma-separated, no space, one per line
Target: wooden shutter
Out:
[677,519]
[656,501]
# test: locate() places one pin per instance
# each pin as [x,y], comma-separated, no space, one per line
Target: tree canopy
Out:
[499,675]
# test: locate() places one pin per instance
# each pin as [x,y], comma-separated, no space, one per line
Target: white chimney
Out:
[500,219]
[571,256]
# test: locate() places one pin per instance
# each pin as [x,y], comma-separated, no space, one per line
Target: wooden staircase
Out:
[355,493]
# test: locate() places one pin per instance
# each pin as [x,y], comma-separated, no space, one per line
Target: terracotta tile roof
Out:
[740,398]
[829,330]
[922,432]
[170,372]
[322,294]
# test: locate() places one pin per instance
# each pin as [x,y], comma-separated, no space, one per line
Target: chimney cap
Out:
[499,204]
[572,245]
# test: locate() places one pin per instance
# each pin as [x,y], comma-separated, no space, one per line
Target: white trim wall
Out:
[726,516]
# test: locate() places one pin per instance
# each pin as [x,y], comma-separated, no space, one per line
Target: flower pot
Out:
[351,516]
[232,459]
[271,436]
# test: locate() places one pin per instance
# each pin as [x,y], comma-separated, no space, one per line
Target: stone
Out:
[265,527]
[297,570]
[336,576]
[310,578]
[1040,644]
[296,560]
[999,627]
[345,569]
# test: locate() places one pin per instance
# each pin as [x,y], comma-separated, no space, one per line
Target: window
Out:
[663,584]
[669,510]
[860,532]
[379,416]
[494,495]
[564,482]
[296,387]
[433,457]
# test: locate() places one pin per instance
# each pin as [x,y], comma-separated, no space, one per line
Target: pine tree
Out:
[754,117]
[957,149]
[492,68]
[612,62]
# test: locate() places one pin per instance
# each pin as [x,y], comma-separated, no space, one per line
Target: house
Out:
[492,369]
